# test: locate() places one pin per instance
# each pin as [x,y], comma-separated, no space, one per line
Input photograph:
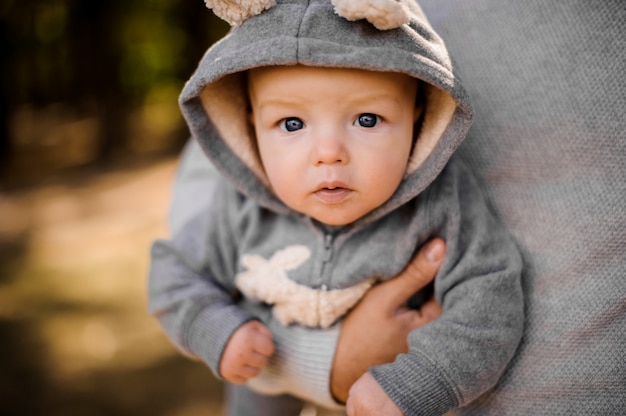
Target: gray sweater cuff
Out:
[209,329]
[416,386]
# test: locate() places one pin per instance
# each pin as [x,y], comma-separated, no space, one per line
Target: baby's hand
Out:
[246,352]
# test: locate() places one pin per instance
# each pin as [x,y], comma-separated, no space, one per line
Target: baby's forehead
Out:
[294,78]
[325,71]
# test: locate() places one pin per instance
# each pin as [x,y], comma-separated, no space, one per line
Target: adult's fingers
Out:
[416,318]
[416,275]
[430,310]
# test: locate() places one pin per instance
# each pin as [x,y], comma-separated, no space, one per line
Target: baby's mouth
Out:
[333,195]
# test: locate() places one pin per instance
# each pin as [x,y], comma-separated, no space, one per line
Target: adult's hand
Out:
[367,398]
[376,330]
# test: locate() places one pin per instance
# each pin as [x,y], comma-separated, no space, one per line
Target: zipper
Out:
[326,258]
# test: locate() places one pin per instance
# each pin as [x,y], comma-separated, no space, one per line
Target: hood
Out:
[311,32]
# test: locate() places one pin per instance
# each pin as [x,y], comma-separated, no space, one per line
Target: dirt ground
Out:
[75,337]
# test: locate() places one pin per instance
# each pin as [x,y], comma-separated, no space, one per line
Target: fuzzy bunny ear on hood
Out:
[234,12]
[383,14]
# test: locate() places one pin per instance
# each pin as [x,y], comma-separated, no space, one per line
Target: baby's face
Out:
[334,142]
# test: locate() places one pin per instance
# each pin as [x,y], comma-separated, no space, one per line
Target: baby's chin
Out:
[333,215]
[335,219]
[336,215]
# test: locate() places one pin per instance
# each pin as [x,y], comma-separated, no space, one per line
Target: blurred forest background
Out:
[89,135]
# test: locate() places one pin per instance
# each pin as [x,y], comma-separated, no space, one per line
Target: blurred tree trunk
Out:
[95,57]
[79,60]
[6,55]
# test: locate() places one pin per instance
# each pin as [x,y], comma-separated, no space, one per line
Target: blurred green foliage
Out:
[85,88]
[86,82]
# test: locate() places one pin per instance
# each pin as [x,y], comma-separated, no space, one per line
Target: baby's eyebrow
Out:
[281,102]
[374,94]
[376,97]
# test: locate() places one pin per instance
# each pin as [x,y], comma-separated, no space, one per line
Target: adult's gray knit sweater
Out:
[548,84]
[547,81]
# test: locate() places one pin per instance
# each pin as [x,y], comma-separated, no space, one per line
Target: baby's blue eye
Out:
[368,120]
[291,124]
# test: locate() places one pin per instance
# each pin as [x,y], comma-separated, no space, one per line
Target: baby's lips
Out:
[334,195]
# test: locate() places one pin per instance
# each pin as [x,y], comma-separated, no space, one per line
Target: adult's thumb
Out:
[420,271]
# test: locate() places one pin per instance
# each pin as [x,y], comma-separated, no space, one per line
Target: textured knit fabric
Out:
[548,84]
[245,228]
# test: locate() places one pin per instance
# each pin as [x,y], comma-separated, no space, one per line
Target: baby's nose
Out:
[329,149]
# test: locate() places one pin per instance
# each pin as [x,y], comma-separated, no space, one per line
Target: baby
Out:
[334,129]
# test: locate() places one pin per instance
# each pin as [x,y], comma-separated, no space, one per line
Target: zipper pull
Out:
[328,245]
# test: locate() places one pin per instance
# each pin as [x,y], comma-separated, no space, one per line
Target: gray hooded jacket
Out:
[247,241]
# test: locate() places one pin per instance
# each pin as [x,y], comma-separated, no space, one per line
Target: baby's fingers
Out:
[262,342]
[244,372]
[256,360]
[246,352]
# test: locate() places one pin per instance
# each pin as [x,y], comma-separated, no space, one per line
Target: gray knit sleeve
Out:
[463,353]
[190,287]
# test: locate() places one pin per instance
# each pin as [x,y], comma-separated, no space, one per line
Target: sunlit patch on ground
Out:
[76,337]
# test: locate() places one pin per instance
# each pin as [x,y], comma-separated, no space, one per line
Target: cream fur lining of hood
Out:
[226,103]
